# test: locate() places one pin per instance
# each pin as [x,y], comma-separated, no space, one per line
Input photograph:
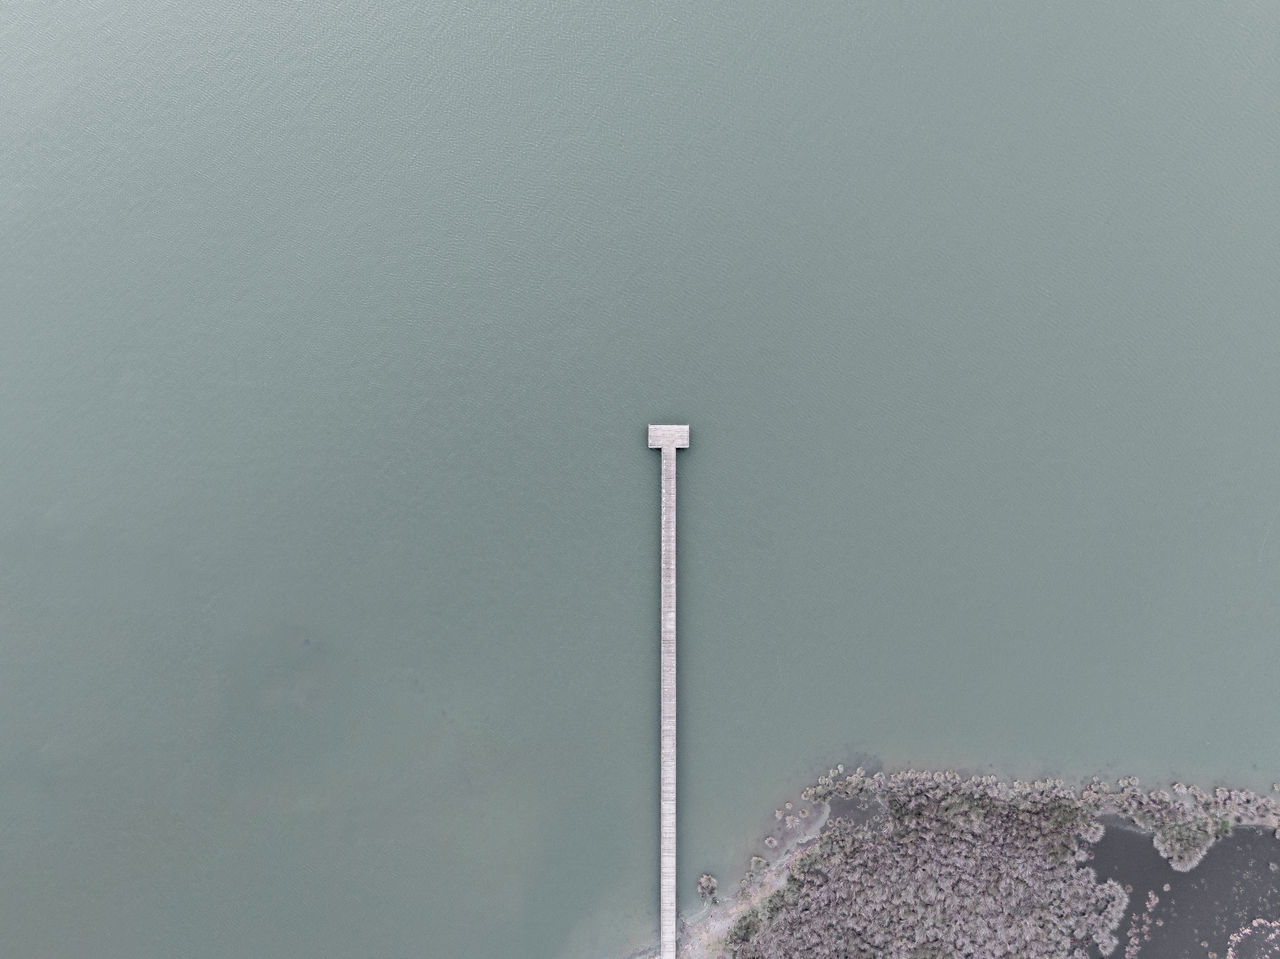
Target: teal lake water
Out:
[329,337]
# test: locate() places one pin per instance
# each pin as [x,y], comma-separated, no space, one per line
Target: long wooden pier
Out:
[668,439]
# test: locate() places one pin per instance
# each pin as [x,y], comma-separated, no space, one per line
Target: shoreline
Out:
[700,932]
[1233,831]
[706,930]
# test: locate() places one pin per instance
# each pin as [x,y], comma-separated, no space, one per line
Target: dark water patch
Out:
[1193,913]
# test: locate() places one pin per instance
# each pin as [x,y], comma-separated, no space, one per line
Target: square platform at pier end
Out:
[660,436]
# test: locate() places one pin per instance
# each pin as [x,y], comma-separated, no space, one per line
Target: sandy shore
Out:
[797,824]
[703,936]
[702,933]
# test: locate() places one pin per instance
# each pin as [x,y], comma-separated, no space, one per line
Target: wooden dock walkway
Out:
[668,439]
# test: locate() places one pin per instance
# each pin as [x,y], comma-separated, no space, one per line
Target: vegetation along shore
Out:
[931,864]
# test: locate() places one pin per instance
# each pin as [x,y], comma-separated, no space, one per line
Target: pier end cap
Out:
[662,436]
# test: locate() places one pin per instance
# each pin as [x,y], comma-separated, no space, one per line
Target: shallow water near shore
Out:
[328,528]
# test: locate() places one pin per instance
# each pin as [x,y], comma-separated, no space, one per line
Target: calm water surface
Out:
[328,530]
